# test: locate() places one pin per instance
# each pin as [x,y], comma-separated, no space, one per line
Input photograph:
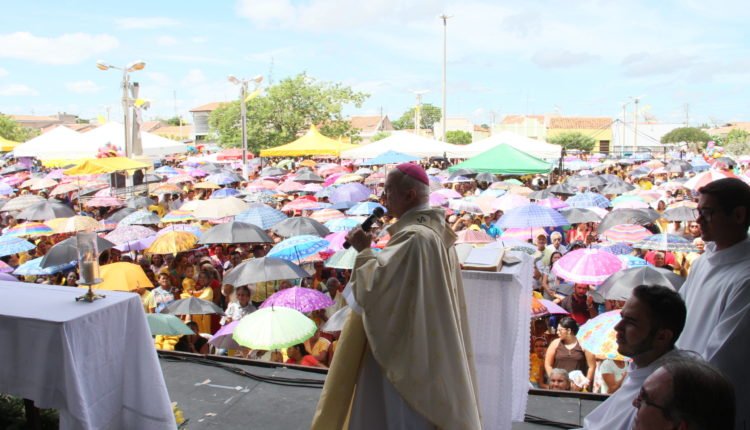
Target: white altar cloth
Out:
[499,314]
[95,362]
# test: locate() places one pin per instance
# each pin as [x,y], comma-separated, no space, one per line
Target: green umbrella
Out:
[343,259]
[166,324]
[274,328]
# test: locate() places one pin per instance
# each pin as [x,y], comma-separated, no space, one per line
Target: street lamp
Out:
[243,112]
[444,18]
[126,100]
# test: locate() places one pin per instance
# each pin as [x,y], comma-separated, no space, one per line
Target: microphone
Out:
[367,225]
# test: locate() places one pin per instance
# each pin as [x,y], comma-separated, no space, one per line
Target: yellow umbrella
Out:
[208,185]
[122,277]
[73,224]
[308,163]
[165,188]
[7,145]
[345,179]
[172,243]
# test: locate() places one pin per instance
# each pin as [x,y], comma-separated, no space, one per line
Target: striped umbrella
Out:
[326,215]
[531,215]
[29,229]
[588,200]
[666,242]
[178,216]
[626,233]
[10,245]
[703,179]
[587,266]
[261,215]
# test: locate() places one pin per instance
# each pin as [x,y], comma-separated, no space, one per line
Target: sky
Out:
[686,60]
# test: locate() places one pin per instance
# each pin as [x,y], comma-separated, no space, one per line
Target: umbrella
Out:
[588,200]
[541,194]
[620,285]
[354,192]
[263,270]
[6,189]
[235,232]
[325,215]
[343,259]
[587,266]
[337,321]
[190,228]
[141,217]
[587,181]
[29,229]
[129,233]
[552,203]
[306,177]
[697,182]
[43,183]
[678,166]
[165,188]
[626,233]
[365,208]
[139,202]
[666,242]
[46,210]
[681,213]
[105,202]
[390,157]
[448,193]
[628,216]
[580,215]
[10,245]
[630,261]
[136,245]
[563,189]
[531,216]
[290,187]
[66,251]
[172,243]
[473,236]
[167,325]
[178,216]
[510,201]
[486,177]
[522,234]
[469,206]
[222,339]
[166,170]
[178,179]
[197,173]
[347,178]
[598,335]
[542,307]
[192,306]
[219,208]
[617,188]
[274,328]
[73,224]
[272,171]
[223,178]
[224,192]
[206,185]
[22,202]
[342,224]
[304,300]
[343,206]
[304,203]
[298,247]
[123,276]
[32,267]
[261,215]
[297,226]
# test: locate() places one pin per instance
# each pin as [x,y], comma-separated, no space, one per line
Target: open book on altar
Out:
[488,259]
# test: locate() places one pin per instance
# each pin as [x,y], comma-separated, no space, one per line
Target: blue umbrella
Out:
[588,200]
[493,192]
[390,157]
[32,267]
[364,208]
[222,178]
[166,171]
[224,192]
[6,189]
[617,249]
[632,261]
[141,217]
[261,215]
[343,205]
[325,192]
[530,216]
[342,224]
[352,192]
[10,245]
[298,247]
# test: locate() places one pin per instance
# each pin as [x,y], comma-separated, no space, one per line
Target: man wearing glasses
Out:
[717,290]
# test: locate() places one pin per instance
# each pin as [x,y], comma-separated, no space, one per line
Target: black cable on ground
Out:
[545,422]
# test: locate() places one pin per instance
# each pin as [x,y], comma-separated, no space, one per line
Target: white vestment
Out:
[717,296]
[617,412]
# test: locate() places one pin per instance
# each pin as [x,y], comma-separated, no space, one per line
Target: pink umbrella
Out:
[222,339]
[105,202]
[587,266]
[337,240]
[328,214]
[302,299]
[510,201]
[331,179]
[291,186]
[474,236]
[437,199]
[707,177]
[301,204]
[627,233]
[552,203]
[523,234]
[448,193]
[312,188]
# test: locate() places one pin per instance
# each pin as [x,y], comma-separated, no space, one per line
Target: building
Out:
[175,132]
[370,125]
[201,130]
[648,138]
[600,128]
[41,122]
[724,130]
[532,126]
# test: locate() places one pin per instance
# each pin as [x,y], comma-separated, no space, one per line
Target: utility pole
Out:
[176,113]
[635,125]
[418,112]
[622,126]
[687,114]
[445,17]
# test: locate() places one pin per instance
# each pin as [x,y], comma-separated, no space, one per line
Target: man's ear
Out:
[665,335]
[739,215]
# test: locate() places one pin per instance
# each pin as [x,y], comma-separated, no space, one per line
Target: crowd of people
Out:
[662,336]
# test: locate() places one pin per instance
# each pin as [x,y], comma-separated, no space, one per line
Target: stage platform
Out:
[223,393]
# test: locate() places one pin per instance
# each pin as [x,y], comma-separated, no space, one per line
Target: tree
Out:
[737,142]
[573,140]
[12,130]
[686,134]
[458,137]
[287,110]
[379,136]
[428,116]
[175,120]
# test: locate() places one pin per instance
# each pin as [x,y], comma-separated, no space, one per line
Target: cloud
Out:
[183,58]
[83,87]
[166,41]
[15,90]
[647,64]
[71,48]
[553,58]
[147,23]
[194,77]
[3,72]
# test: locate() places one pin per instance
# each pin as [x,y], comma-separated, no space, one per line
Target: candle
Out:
[88,272]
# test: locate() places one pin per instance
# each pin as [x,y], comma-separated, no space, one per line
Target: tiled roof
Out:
[151,125]
[81,128]
[518,119]
[208,107]
[33,118]
[174,131]
[725,129]
[365,123]
[579,122]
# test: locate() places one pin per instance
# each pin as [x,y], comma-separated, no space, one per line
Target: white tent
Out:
[406,143]
[537,148]
[58,143]
[153,145]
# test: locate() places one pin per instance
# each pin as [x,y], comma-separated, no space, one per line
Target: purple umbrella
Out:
[530,216]
[8,277]
[129,233]
[302,299]
[223,338]
[351,192]
[136,245]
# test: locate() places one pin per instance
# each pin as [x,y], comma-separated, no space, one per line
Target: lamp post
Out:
[445,17]
[243,113]
[126,100]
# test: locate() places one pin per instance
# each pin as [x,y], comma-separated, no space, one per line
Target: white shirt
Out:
[717,296]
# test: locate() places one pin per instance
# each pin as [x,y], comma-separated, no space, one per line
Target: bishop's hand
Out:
[359,239]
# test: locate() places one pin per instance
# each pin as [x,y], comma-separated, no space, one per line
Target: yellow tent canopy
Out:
[312,143]
[7,145]
[94,166]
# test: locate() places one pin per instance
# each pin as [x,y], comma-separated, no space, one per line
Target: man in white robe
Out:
[405,361]
[652,320]
[717,290]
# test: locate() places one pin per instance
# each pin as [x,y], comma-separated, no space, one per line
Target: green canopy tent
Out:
[504,160]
